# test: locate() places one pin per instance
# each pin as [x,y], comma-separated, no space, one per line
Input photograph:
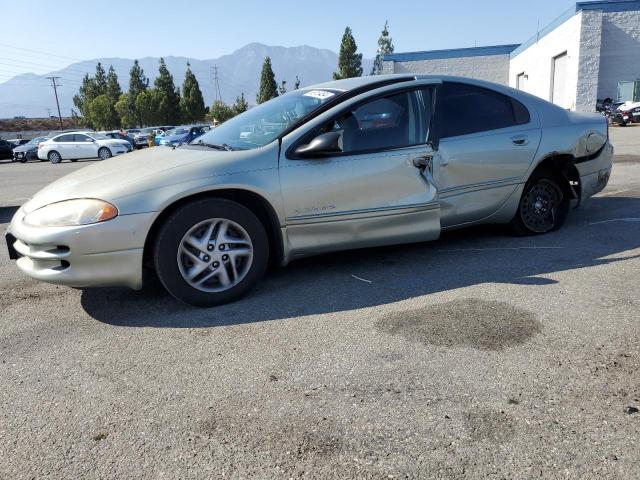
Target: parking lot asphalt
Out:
[479,355]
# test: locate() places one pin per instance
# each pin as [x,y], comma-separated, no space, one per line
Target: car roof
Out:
[359,82]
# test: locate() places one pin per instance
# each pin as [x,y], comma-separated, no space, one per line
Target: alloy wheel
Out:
[215,255]
[104,153]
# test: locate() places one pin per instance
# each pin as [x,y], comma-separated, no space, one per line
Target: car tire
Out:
[54,157]
[204,275]
[104,153]
[544,205]
[23,160]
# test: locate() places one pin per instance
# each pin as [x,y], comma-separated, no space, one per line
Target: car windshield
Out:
[262,124]
[37,140]
[99,136]
[147,130]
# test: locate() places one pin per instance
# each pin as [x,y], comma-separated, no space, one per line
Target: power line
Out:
[25,64]
[216,84]
[39,52]
[55,90]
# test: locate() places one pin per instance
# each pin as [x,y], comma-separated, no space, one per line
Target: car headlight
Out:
[81,211]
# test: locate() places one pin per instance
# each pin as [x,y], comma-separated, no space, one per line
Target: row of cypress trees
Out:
[349,64]
[102,104]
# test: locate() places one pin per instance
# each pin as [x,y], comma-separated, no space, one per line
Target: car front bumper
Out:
[102,254]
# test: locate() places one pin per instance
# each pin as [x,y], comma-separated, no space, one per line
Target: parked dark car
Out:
[180,135]
[6,149]
[119,136]
[16,142]
[28,151]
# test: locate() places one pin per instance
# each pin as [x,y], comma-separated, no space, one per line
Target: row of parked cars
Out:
[619,113]
[89,144]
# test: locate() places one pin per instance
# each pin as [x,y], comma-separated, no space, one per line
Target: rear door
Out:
[487,141]
[378,190]
[65,147]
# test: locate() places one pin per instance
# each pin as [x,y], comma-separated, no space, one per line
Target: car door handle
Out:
[520,140]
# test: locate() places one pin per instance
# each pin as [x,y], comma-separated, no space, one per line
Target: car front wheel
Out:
[104,153]
[543,207]
[210,252]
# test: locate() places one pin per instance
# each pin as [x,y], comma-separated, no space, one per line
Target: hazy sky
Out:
[52,34]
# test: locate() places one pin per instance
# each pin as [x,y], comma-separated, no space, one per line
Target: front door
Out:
[377,190]
[487,143]
[85,146]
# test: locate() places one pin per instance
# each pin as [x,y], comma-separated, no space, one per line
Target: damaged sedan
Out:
[353,163]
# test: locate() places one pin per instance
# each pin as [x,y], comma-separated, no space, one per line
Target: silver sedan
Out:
[347,164]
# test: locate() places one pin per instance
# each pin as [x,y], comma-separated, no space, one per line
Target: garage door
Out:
[559,80]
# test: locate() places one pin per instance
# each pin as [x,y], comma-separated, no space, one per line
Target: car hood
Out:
[174,138]
[25,148]
[145,170]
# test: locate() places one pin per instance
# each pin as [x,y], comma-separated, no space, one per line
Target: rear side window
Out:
[463,109]
[64,138]
[82,138]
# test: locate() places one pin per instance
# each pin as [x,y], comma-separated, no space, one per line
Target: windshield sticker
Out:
[320,94]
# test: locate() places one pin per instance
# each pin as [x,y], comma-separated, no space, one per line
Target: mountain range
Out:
[32,95]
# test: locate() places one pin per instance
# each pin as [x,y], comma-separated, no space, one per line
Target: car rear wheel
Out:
[543,207]
[54,157]
[210,252]
[104,153]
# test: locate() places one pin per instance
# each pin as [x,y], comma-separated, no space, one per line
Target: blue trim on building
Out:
[451,53]
[606,6]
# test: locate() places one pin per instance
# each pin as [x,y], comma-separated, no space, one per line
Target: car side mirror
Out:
[323,145]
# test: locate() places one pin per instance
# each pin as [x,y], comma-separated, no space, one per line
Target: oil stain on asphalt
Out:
[480,324]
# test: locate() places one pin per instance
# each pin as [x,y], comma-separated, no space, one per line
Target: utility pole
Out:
[216,84]
[55,86]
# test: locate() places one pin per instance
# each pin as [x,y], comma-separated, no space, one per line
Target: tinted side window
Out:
[463,109]
[64,138]
[396,121]
[81,138]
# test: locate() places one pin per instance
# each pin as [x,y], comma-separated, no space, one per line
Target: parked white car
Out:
[75,145]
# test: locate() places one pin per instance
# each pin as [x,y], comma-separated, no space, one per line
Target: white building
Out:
[577,59]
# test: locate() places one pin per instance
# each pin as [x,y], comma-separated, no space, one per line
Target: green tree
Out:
[138,83]
[148,106]
[268,86]
[113,92]
[100,80]
[128,118]
[169,105]
[101,112]
[385,46]
[192,103]
[221,112]
[81,100]
[349,62]
[240,105]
